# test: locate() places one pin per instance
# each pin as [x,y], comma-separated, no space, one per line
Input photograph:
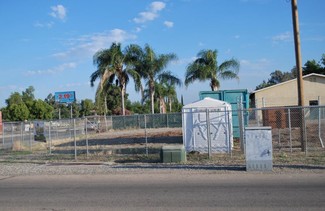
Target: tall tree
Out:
[50,99]
[160,94]
[311,66]
[28,94]
[29,98]
[205,67]
[151,67]
[323,60]
[41,110]
[277,77]
[87,107]
[169,84]
[111,68]
[17,112]
[14,98]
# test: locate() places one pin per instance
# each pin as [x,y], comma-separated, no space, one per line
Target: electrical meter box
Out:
[258,142]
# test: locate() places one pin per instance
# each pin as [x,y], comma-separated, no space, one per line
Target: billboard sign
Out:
[65,97]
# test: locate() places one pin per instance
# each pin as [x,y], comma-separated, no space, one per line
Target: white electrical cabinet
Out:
[258,148]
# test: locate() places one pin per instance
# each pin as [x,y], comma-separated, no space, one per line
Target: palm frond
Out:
[93,77]
[230,65]
[229,75]
[169,78]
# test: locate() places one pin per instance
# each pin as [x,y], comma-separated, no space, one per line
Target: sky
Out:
[50,44]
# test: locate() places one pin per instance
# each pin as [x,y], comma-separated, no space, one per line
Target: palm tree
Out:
[150,66]
[171,95]
[205,67]
[112,66]
[169,84]
[160,94]
[164,93]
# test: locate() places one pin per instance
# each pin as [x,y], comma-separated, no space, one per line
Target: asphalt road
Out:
[165,190]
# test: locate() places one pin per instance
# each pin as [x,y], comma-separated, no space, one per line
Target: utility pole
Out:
[296,33]
[300,84]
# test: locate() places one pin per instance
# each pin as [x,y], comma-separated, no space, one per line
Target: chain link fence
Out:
[126,138]
[293,128]
[94,136]
[296,131]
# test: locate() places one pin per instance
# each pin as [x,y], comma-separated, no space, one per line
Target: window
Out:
[313,102]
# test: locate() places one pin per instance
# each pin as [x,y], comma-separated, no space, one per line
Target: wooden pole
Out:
[297,52]
[300,84]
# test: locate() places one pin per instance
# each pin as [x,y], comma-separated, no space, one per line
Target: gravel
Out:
[30,169]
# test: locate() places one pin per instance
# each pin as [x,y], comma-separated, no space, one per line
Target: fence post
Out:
[74,138]
[30,137]
[3,134]
[21,135]
[304,134]
[279,138]
[227,120]
[167,119]
[319,123]
[50,139]
[86,131]
[290,135]
[57,130]
[241,124]
[12,134]
[208,132]
[70,129]
[145,131]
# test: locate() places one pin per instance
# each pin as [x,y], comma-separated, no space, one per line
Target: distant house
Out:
[286,94]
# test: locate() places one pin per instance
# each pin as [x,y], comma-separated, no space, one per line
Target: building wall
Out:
[285,94]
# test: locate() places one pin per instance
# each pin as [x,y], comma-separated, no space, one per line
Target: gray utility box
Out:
[173,154]
[258,148]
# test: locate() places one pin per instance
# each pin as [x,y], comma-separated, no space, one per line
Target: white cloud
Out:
[87,45]
[255,67]
[59,12]
[138,29]
[145,16]
[43,25]
[52,71]
[286,36]
[169,24]
[70,85]
[184,61]
[228,51]
[157,6]
[255,1]
[150,14]
[201,44]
